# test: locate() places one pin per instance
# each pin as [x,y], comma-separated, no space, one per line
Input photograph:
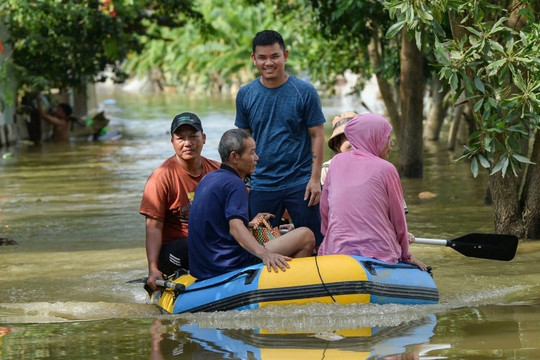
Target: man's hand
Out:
[276,261]
[313,192]
[152,277]
[253,223]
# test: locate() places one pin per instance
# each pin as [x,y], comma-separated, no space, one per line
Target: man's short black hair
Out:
[68,110]
[266,38]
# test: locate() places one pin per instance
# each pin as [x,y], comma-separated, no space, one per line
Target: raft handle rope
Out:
[322,281]
[369,265]
[250,275]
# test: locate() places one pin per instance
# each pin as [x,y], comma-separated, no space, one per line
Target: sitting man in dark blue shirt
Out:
[219,239]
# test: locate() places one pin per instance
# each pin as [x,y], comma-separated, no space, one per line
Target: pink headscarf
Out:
[368,133]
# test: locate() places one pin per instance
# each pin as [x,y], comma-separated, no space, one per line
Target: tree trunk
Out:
[385,87]
[437,110]
[506,204]
[457,116]
[531,194]
[411,95]
[516,199]
[530,191]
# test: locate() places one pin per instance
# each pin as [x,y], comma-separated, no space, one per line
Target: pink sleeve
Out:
[323,207]
[397,214]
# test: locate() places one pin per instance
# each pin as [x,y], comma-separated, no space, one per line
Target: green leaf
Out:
[522,159]
[478,105]
[483,161]
[498,166]
[495,65]
[496,46]
[497,26]
[506,162]
[418,38]
[454,81]
[462,157]
[479,85]
[518,128]
[474,31]
[442,55]
[468,84]
[438,16]
[474,167]
[492,102]
[394,29]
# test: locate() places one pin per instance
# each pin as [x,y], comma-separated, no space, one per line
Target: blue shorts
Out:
[275,202]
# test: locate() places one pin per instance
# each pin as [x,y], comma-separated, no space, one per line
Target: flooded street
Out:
[73,210]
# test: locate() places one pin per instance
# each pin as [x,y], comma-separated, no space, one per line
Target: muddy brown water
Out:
[73,210]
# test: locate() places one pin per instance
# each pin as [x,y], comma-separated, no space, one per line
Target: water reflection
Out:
[359,343]
[466,333]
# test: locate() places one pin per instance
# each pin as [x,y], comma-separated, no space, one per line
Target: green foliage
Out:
[197,60]
[418,16]
[495,67]
[321,47]
[348,26]
[343,30]
[64,43]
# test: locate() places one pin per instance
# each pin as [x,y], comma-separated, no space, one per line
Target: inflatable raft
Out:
[342,279]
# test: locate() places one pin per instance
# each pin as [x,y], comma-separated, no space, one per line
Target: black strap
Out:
[249,272]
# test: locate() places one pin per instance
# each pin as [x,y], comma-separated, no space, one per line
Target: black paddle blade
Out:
[486,246]
[137,281]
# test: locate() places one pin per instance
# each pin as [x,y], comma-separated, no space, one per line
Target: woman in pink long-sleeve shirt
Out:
[361,204]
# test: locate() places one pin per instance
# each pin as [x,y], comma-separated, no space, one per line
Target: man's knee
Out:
[307,238]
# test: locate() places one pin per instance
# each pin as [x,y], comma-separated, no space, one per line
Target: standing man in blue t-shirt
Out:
[219,238]
[284,116]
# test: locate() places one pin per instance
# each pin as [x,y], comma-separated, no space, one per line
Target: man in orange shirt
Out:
[167,198]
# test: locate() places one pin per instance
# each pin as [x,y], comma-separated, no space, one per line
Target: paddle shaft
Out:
[431,241]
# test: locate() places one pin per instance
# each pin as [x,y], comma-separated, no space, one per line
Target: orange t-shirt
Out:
[168,194]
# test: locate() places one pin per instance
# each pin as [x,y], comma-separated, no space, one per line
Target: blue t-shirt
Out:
[220,196]
[279,119]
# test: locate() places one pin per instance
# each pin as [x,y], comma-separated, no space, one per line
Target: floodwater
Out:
[73,209]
